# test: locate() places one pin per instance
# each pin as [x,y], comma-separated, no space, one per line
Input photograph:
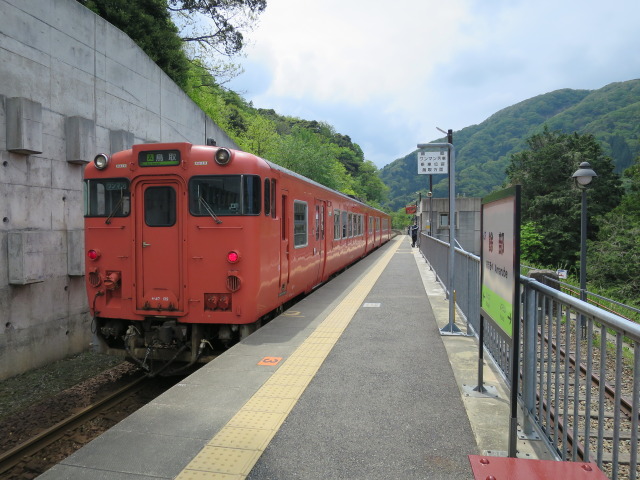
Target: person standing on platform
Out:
[414,234]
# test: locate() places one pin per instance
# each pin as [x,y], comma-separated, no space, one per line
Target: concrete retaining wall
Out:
[71,86]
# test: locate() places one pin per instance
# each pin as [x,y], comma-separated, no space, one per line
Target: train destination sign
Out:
[159,158]
[433,163]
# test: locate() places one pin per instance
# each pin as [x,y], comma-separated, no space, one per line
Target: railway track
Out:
[587,408]
[38,453]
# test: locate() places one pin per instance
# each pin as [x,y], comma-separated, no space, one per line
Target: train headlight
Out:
[223,156]
[101,161]
[233,257]
[93,254]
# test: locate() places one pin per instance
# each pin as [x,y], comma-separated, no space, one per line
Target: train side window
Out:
[300,223]
[267,197]
[344,224]
[283,215]
[336,224]
[273,198]
[225,195]
[160,206]
[251,200]
[107,198]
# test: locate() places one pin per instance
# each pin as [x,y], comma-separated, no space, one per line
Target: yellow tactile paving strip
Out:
[236,448]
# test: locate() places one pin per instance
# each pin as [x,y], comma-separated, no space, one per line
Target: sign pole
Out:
[426,162]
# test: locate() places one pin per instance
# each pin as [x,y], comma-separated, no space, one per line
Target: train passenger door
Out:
[284,245]
[319,237]
[159,245]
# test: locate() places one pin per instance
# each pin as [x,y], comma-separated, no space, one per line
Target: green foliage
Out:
[609,114]
[261,137]
[148,23]
[531,244]
[306,153]
[400,220]
[367,184]
[614,258]
[549,196]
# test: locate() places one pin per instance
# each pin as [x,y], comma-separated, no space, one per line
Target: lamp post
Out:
[583,177]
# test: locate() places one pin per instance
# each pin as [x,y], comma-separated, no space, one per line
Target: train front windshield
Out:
[224,195]
[107,198]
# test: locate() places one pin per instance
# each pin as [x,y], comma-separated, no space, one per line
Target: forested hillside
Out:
[610,114]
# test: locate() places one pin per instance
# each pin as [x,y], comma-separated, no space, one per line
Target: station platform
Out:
[353,382]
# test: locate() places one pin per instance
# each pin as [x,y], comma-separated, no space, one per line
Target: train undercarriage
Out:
[164,346]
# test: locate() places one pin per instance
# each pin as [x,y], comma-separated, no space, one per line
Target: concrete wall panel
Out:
[25,29]
[25,78]
[75,264]
[72,91]
[74,53]
[27,208]
[38,171]
[5,297]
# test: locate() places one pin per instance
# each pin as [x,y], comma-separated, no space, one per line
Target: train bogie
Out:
[191,245]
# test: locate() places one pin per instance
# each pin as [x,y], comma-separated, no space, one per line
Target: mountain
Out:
[611,114]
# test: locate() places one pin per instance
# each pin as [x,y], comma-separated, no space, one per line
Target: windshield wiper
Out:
[209,210]
[115,209]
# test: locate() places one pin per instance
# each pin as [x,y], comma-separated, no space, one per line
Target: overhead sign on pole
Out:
[434,162]
[444,159]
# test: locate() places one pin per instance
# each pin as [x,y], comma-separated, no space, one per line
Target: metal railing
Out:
[579,366]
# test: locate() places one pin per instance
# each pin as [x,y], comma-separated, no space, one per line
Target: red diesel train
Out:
[189,247]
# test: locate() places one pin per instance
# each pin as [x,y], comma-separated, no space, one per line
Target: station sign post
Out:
[500,285]
[438,155]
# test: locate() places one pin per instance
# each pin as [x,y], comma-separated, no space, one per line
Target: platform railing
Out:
[579,366]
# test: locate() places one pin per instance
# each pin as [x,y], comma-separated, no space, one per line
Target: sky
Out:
[389,73]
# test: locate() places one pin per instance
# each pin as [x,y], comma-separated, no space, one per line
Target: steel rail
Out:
[12,457]
[625,404]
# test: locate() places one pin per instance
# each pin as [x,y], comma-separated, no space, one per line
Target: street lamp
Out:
[583,177]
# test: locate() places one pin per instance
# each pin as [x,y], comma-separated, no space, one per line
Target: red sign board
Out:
[508,468]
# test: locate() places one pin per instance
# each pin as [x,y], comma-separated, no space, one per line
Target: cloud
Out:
[387,73]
